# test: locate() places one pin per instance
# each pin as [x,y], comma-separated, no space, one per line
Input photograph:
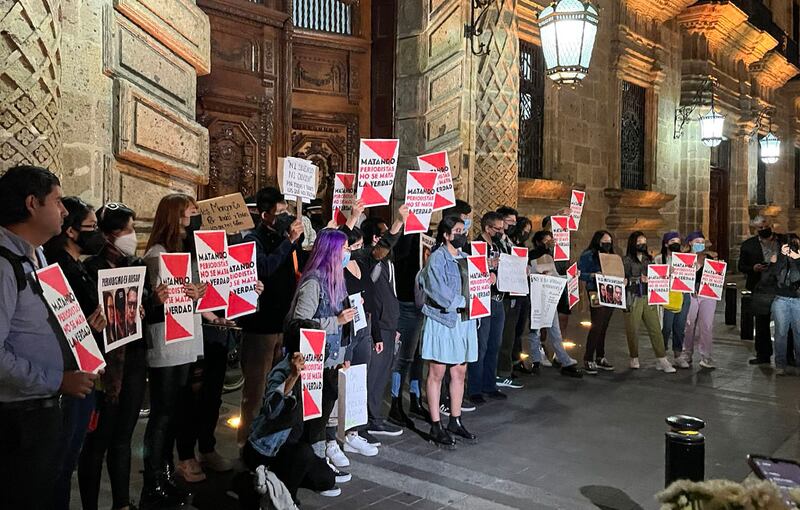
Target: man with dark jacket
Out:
[279,259]
[754,259]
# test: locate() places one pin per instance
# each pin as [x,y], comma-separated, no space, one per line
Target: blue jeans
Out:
[674,325]
[786,314]
[554,340]
[482,374]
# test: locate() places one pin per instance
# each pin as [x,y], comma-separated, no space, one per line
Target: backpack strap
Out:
[16,262]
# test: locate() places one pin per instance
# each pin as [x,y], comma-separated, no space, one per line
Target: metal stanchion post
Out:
[746,327]
[684,455]
[731,298]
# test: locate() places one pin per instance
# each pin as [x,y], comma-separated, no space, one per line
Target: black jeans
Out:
[408,361]
[315,430]
[200,406]
[28,439]
[295,465]
[112,436]
[596,340]
[75,415]
[763,339]
[167,385]
[379,373]
[505,359]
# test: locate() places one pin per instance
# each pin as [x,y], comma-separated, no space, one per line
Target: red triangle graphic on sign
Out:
[346,180]
[439,202]
[680,286]
[559,254]
[707,291]
[687,258]
[212,299]
[174,330]
[425,179]
[384,149]
[478,248]
[520,251]
[578,196]
[479,262]
[561,221]
[413,224]
[238,306]
[177,264]
[660,270]
[477,308]
[87,361]
[310,408]
[54,278]
[316,339]
[718,267]
[572,300]
[571,223]
[242,253]
[656,298]
[572,272]
[371,196]
[214,240]
[341,219]
[437,160]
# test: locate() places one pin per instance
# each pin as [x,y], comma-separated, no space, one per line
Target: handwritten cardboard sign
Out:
[212,265]
[480,287]
[174,271]
[227,212]
[344,196]
[377,163]
[657,284]
[545,292]
[352,402]
[573,285]
[312,347]
[420,194]
[576,208]
[242,297]
[120,294]
[445,193]
[298,179]
[560,226]
[63,303]
[682,273]
[712,280]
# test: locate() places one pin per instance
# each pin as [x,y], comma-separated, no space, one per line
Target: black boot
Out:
[173,488]
[398,416]
[455,427]
[157,493]
[440,437]
[418,409]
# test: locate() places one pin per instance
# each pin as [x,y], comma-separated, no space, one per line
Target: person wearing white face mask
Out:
[700,319]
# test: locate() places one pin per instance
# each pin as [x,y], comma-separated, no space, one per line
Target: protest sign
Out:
[360,318]
[519,251]
[657,284]
[227,212]
[545,294]
[445,193]
[573,285]
[242,298]
[298,178]
[545,265]
[420,193]
[344,196]
[478,248]
[560,226]
[611,291]
[377,163]
[312,347]
[426,244]
[682,272]
[576,209]
[174,271]
[713,279]
[119,292]
[512,274]
[62,301]
[211,247]
[352,402]
[611,265]
[480,287]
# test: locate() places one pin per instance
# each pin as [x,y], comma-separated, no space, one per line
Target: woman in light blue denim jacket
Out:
[447,340]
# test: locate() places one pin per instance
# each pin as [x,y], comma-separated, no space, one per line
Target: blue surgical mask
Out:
[698,247]
[345,259]
[467,224]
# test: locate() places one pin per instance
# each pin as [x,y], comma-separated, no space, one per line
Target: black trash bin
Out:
[731,298]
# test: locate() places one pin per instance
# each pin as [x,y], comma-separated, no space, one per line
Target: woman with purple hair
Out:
[320,296]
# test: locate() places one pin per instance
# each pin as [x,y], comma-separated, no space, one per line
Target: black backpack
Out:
[16,262]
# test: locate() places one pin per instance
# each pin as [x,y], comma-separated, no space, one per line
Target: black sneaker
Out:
[369,437]
[556,363]
[383,428]
[572,371]
[590,368]
[497,395]
[523,369]
[467,406]
[477,400]
[341,476]
[758,361]
[604,364]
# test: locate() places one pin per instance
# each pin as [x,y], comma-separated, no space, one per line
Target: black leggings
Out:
[596,340]
[115,425]
[295,465]
[167,385]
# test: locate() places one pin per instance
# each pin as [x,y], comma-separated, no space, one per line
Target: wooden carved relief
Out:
[234,159]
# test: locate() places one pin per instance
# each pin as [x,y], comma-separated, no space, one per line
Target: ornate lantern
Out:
[568,29]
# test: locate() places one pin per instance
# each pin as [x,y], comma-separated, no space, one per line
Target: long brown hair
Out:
[167,228]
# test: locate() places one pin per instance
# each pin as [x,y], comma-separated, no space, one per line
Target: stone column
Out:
[30,84]
[742,157]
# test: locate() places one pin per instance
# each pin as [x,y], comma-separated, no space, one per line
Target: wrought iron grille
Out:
[333,16]
[531,110]
[761,178]
[632,129]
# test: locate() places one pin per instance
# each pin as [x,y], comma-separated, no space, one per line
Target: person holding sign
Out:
[177,218]
[674,318]
[447,339]
[594,358]
[636,260]
[700,319]
[784,277]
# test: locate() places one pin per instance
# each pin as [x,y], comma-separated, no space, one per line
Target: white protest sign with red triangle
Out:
[64,304]
[713,279]
[344,196]
[420,194]
[211,248]
[174,271]
[682,272]
[377,163]
[480,287]
[573,285]
[576,208]
[440,163]
[479,248]
[242,298]
[560,226]
[657,284]
[312,347]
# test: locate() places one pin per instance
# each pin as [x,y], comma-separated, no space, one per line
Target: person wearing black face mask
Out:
[79,236]
[594,358]
[673,324]
[754,260]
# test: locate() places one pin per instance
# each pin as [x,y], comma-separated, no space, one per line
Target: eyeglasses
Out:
[89,228]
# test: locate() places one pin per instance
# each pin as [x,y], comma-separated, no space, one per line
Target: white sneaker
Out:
[635,363]
[664,365]
[335,454]
[682,362]
[331,493]
[353,443]
[545,360]
[707,363]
